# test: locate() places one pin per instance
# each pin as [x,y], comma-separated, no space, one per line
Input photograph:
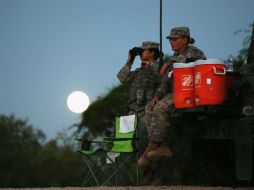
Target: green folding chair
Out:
[115,159]
[94,159]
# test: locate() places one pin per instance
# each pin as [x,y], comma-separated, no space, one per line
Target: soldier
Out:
[144,80]
[143,83]
[158,110]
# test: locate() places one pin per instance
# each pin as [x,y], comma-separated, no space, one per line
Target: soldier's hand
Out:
[131,57]
[154,101]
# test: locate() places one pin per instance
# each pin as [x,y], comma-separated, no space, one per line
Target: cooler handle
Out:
[218,73]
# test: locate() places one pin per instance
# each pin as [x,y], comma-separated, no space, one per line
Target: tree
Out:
[243,53]
[58,166]
[27,161]
[20,145]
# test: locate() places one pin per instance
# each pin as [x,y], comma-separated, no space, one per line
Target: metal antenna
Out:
[250,57]
[160,32]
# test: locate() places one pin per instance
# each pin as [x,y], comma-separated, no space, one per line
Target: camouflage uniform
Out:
[143,81]
[157,119]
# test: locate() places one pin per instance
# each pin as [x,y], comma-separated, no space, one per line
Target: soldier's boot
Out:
[144,161]
[161,152]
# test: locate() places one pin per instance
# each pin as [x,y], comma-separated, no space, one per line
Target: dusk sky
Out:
[49,48]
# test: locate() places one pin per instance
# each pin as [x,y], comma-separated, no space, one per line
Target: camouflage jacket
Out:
[191,54]
[143,83]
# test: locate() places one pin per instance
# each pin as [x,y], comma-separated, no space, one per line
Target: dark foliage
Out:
[26,161]
[246,53]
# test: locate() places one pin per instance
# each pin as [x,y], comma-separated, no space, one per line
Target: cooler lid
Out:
[183,65]
[210,61]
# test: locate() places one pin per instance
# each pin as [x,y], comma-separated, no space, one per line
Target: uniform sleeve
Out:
[200,54]
[125,75]
[164,87]
[194,54]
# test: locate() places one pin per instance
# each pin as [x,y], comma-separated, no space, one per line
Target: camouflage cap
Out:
[150,45]
[179,31]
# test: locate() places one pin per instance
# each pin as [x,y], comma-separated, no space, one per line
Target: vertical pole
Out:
[250,57]
[160,32]
[137,143]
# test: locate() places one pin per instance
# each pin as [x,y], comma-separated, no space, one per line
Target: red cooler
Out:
[183,85]
[210,82]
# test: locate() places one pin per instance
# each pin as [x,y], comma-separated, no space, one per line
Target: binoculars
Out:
[136,51]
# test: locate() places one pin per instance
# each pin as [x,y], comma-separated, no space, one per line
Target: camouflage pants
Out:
[157,119]
[141,131]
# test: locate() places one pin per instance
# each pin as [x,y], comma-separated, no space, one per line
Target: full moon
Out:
[78,101]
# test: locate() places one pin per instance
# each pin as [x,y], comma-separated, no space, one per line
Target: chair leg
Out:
[95,169]
[137,170]
[91,171]
[110,177]
[87,178]
[113,173]
[123,168]
[118,168]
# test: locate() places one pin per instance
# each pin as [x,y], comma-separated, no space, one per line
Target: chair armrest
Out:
[91,141]
[120,139]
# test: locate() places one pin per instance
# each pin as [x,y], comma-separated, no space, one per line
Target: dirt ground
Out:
[137,188]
